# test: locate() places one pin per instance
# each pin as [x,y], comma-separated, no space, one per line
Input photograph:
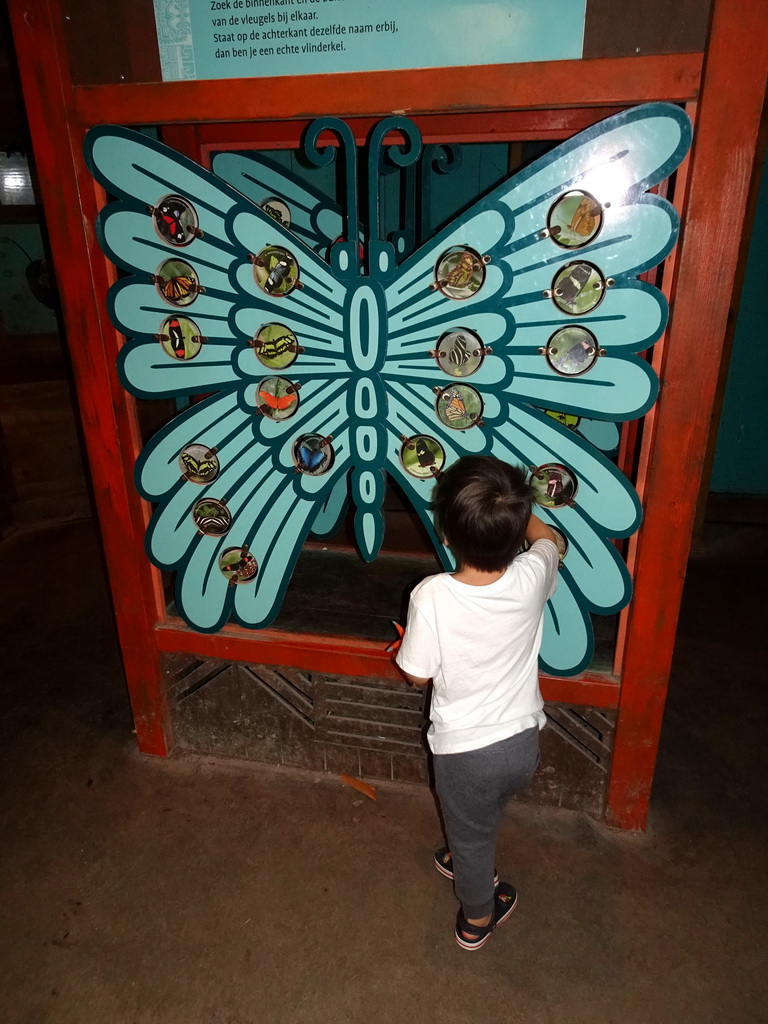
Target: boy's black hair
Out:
[482,506]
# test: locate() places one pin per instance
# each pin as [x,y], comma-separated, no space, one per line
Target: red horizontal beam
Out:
[350,657]
[493,87]
[590,689]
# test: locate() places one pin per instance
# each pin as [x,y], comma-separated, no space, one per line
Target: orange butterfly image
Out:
[455,408]
[277,401]
[176,288]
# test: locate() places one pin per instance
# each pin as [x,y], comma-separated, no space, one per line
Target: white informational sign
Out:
[205,39]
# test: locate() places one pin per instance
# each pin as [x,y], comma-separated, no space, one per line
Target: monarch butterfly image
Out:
[178,289]
[455,408]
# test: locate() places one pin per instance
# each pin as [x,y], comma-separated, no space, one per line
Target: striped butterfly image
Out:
[363,374]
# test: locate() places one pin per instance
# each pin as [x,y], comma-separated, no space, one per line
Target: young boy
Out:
[476,634]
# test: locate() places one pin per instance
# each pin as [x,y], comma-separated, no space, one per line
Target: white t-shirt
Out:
[480,647]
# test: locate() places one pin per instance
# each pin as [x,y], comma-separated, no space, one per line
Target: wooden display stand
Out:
[71,84]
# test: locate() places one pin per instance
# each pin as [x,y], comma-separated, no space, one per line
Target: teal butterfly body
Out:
[366,371]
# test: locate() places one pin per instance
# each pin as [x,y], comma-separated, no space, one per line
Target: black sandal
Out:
[504,902]
[479,933]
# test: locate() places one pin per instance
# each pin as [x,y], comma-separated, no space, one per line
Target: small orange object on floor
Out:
[362,787]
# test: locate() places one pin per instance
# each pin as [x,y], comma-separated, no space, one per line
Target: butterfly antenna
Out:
[400,155]
[321,157]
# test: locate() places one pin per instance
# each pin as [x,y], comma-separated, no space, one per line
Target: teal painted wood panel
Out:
[741,456]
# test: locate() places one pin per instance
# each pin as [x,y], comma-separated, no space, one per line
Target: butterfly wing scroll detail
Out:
[307,211]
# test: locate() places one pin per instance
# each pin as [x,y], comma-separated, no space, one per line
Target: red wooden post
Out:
[68,195]
[728,118]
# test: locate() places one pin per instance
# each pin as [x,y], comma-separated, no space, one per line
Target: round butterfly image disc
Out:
[180,337]
[553,485]
[275,346]
[459,353]
[211,517]
[574,220]
[578,288]
[312,454]
[459,406]
[177,282]
[276,271]
[277,398]
[238,565]
[278,210]
[572,351]
[460,272]
[422,456]
[175,220]
[198,463]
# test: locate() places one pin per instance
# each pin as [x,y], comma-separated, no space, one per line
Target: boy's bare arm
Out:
[414,680]
[536,530]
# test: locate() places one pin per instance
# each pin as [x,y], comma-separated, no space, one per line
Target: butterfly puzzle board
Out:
[516,331]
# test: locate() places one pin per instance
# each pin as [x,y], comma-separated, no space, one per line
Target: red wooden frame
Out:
[496,87]
[729,91]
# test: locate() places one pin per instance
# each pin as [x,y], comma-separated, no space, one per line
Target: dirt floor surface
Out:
[201,891]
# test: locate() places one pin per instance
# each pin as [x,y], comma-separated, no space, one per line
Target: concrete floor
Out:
[196,891]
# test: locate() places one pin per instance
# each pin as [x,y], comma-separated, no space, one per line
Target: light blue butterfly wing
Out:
[271,505]
[514,313]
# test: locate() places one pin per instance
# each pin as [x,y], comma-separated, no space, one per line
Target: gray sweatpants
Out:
[473,788]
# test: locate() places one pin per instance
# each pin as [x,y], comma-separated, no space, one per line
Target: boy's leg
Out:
[473,788]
